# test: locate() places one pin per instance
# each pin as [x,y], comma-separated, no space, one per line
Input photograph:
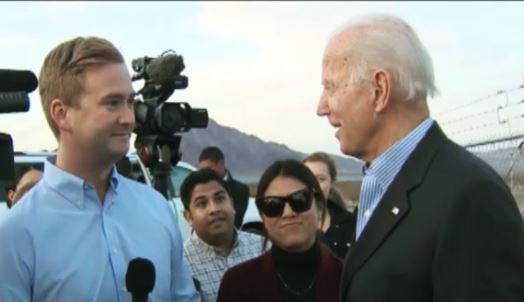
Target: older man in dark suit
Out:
[435,223]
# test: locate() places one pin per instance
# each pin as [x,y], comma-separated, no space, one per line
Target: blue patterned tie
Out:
[370,190]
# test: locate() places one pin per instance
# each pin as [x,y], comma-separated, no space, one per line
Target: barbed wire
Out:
[481,99]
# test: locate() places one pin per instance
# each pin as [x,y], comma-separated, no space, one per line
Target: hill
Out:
[247,156]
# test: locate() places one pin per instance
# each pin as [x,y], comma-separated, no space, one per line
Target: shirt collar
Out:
[201,245]
[70,186]
[385,167]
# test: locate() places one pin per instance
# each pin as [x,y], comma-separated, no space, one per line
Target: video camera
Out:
[15,86]
[156,121]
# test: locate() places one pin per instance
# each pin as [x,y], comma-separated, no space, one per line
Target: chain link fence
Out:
[492,128]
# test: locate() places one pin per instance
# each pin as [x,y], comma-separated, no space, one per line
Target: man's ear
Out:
[59,113]
[187,216]
[382,84]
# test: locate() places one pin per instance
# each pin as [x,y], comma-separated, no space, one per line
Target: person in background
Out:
[215,245]
[73,235]
[339,224]
[298,267]
[26,178]
[435,223]
[213,158]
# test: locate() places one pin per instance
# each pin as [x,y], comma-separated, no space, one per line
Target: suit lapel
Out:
[393,206]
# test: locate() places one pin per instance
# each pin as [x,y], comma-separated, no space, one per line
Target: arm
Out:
[16,261]
[480,247]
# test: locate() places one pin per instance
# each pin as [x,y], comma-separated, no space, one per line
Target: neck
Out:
[225,246]
[93,171]
[396,124]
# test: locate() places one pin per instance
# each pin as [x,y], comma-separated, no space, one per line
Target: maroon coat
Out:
[256,280]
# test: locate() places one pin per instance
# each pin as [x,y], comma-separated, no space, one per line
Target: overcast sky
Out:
[256,66]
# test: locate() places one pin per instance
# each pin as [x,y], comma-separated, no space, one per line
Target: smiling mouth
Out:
[292,224]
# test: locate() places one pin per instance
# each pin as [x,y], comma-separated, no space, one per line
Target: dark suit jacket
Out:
[240,194]
[447,229]
[256,280]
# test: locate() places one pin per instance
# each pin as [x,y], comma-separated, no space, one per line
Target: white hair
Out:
[389,43]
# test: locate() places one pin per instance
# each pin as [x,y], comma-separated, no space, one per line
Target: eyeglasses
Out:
[273,206]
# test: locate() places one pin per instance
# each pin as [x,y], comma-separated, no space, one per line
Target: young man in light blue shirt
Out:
[71,237]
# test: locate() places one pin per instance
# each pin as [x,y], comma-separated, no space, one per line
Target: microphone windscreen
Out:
[140,276]
[17,80]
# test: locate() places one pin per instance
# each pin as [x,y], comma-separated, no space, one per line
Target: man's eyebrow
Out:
[199,198]
[118,95]
[220,191]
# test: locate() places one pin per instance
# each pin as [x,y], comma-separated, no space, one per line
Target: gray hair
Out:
[389,42]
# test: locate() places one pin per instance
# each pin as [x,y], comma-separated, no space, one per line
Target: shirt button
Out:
[115,251]
[335,243]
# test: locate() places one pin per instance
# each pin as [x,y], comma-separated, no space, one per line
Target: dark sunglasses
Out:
[273,206]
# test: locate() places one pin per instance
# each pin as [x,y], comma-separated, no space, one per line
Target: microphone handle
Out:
[139,297]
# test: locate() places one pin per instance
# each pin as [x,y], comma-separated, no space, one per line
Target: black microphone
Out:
[17,80]
[140,279]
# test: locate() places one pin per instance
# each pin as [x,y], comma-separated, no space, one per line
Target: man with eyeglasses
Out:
[215,245]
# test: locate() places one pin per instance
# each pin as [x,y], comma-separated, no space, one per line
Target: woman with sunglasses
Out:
[339,224]
[298,267]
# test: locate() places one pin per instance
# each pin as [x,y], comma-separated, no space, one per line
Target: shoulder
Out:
[241,281]
[193,248]
[249,237]
[138,187]
[237,183]
[17,226]
[140,193]
[242,275]
[253,242]
[329,261]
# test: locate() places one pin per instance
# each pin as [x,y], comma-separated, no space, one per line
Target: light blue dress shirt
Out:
[382,171]
[60,243]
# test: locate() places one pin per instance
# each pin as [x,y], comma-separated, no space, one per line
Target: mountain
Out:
[247,156]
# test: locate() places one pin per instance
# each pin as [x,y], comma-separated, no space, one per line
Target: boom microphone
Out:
[17,80]
[140,279]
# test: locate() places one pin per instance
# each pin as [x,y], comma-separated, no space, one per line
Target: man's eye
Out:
[112,103]
[130,102]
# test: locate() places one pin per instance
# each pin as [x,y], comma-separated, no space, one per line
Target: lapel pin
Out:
[395,210]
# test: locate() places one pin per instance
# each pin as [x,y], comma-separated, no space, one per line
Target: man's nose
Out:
[213,207]
[322,107]
[128,116]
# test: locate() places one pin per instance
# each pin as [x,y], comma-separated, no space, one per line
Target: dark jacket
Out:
[340,234]
[447,229]
[240,194]
[256,280]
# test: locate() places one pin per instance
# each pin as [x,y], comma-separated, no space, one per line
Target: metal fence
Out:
[492,128]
